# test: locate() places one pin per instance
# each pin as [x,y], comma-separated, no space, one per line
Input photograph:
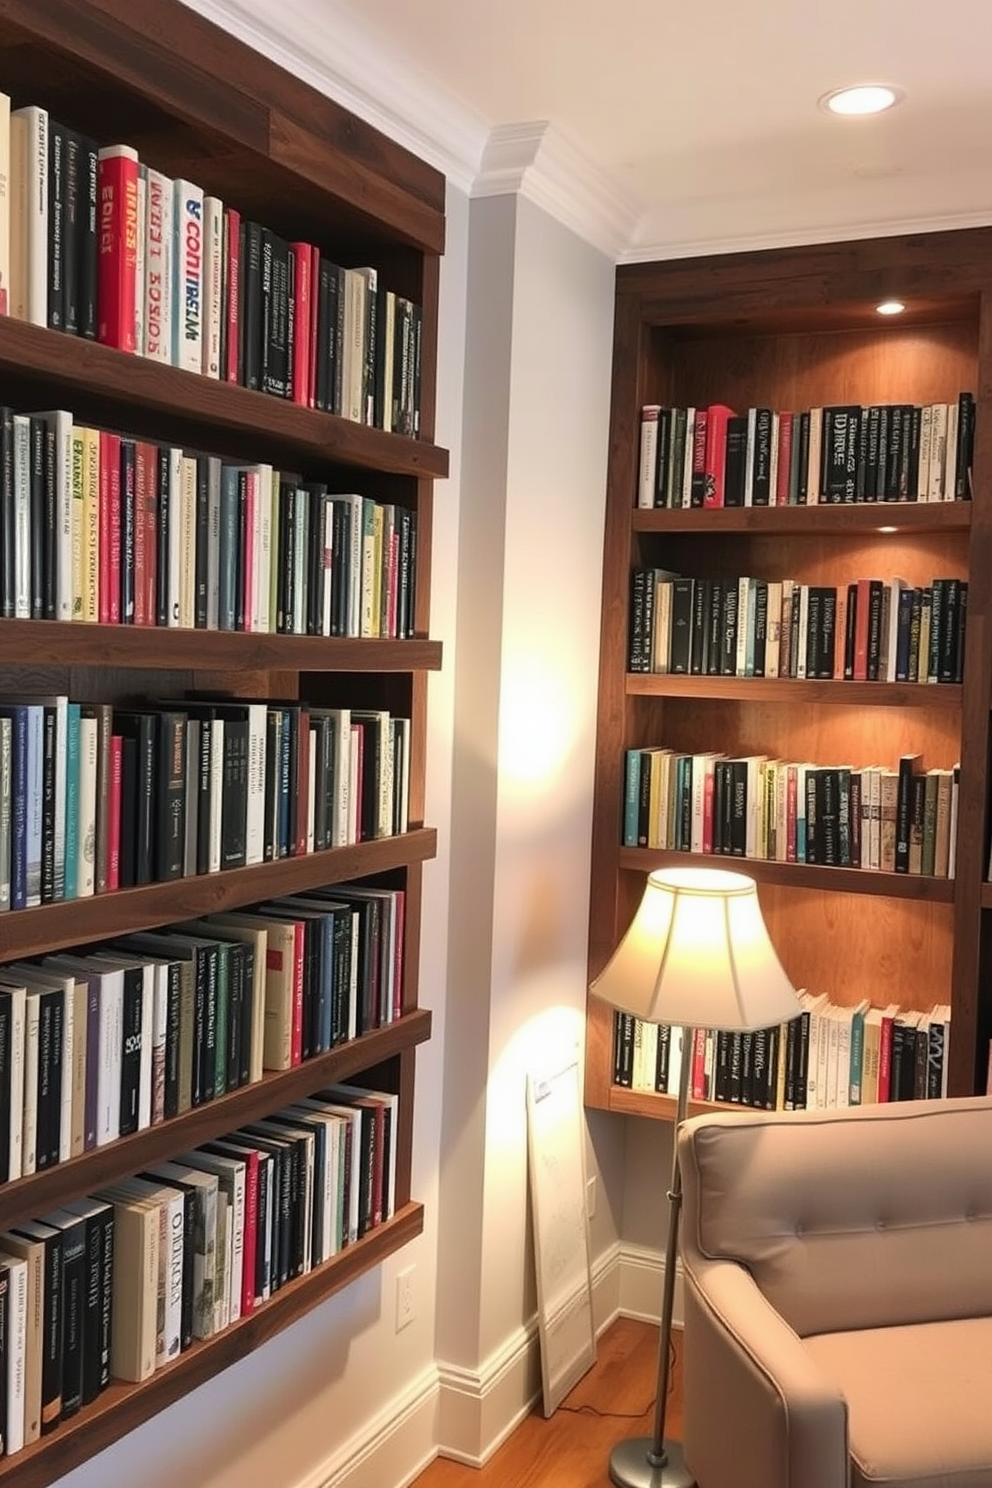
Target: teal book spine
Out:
[72,800]
[632,797]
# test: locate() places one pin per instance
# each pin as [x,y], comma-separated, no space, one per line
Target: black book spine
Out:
[8,583]
[74,1288]
[172,1026]
[72,219]
[801,446]
[92,1301]
[208,1044]
[170,824]
[728,639]
[235,1015]
[760,625]
[164,485]
[51,1350]
[87,255]
[234,801]
[714,626]
[49,745]
[131,1049]
[39,505]
[938,607]
[251,305]
[106,1292]
[202,525]
[762,468]
[683,598]
[49,1118]
[56,225]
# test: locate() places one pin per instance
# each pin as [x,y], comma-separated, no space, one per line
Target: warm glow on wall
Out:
[539,721]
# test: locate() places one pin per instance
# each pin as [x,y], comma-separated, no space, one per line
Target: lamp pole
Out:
[651,1461]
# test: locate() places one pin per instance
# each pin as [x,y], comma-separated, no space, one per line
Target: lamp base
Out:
[634,1465]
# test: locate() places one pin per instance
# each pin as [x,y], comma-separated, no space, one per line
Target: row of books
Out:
[121,1282]
[105,1041]
[101,526]
[826,1057]
[102,245]
[95,798]
[715,457]
[901,820]
[871,630]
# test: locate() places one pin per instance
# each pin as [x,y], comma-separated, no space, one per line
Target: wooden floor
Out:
[571,1450]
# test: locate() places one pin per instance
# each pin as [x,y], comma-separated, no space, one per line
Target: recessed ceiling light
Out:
[866,98]
[890,307]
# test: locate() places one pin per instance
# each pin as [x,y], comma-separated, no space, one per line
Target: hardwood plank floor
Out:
[571,1450]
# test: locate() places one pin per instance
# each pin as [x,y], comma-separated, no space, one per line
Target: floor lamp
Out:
[697,955]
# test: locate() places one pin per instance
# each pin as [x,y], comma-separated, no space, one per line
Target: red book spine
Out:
[314,307]
[249,1244]
[885,1061]
[784,459]
[110,464]
[296,1045]
[709,793]
[117,180]
[300,370]
[144,537]
[114,814]
[232,308]
[698,1073]
[862,609]
[715,467]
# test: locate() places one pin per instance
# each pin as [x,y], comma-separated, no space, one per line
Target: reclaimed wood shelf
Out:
[799,875]
[794,692]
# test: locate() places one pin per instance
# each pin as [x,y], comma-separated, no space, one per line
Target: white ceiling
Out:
[705,113]
[696,123]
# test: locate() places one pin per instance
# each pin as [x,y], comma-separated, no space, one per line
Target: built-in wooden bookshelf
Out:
[796,329]
[196,103]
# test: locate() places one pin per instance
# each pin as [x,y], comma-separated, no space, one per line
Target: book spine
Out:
[118,246]
[158,285]
[188,247]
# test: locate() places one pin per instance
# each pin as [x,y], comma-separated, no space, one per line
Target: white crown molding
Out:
[537,161]
[804,237]
[323,45]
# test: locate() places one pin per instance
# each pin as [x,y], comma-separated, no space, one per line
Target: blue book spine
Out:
[632,796]
[71,799]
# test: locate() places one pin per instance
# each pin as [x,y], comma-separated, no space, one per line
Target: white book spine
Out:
[213,278]
[649,456]
[86,830]
[141,266]
[261,619]
[174,1252]
[255,820]
[300,557]
[175,539]
[68,1057]
[22,516]
[29,1139]
[108,1117]
[16,1348]
[17,1055]
[160,1019]
[147,1038]
[5,193]
[213,543]
[158,266]
[187,317]
[29,162]
[327,592]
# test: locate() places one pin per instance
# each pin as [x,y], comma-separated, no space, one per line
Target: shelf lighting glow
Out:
[856,102]
[888,530]
[890,307]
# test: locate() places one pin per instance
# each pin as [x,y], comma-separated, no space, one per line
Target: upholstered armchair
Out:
[838,1297]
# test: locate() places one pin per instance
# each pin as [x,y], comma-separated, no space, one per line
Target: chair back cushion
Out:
[857,1218]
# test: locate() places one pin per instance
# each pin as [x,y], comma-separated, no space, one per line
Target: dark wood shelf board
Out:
[122,1407]
[800,875]
[132,381]
[45,1190]
[658,1107]
[796,693]
[28,932]
[52,643]
[814,521]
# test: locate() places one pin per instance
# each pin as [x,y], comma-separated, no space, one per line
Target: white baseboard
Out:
[466,1414]
[391,1449]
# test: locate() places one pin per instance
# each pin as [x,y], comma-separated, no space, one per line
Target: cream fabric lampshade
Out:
[698,954]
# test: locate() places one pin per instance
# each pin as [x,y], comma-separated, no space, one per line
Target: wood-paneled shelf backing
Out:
[791,330]
[198,105]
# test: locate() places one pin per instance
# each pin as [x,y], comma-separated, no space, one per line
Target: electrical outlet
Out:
[404,1298]
[591,1198]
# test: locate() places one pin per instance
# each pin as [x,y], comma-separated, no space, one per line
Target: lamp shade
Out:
[698,954]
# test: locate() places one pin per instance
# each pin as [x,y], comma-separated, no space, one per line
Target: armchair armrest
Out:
[758,1412]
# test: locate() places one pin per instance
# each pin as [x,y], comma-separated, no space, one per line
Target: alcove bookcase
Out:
[789,330]
[196,103]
